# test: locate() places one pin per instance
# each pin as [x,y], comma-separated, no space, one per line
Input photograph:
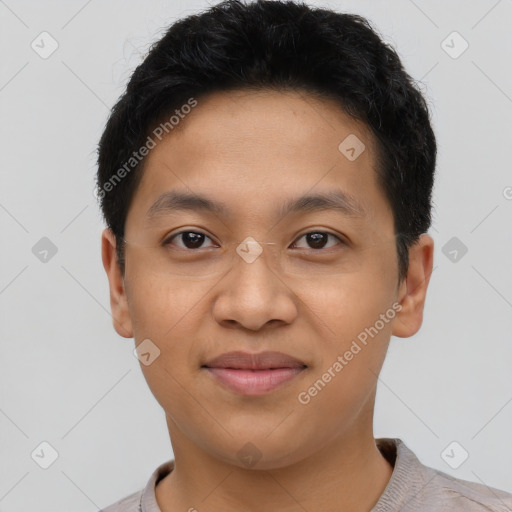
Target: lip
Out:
[239,360]
[254,374]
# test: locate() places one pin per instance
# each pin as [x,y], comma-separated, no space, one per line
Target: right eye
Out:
[189,239]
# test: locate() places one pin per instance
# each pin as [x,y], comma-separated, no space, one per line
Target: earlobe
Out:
[413,290]
[118,301]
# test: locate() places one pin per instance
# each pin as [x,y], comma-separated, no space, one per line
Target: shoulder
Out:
[458,494]
[145,499]
[129,504]
[416,487]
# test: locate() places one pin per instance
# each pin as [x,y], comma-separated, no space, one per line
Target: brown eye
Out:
[188,239]
[319,239]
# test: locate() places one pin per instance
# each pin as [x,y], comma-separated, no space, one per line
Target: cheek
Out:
[162,308]
[170,315]
[344,306]
[354,318]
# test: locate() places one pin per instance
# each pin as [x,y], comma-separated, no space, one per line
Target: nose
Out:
[252,295]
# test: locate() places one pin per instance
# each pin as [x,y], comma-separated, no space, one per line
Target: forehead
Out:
[256,151]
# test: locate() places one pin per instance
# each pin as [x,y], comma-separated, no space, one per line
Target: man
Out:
[266,181]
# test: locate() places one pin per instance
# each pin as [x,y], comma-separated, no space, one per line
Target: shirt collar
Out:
[401,484]
[148,501]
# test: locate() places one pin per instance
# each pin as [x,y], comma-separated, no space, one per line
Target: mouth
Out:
[254,374]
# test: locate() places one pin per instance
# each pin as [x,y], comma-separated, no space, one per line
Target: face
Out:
[320,286]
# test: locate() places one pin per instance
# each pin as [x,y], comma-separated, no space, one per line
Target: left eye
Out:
[319,239]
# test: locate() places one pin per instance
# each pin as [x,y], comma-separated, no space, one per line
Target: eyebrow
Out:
[338,200]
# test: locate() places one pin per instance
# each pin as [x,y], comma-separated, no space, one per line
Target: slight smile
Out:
[254,374]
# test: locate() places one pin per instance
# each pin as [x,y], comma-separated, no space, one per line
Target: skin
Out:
[252,151]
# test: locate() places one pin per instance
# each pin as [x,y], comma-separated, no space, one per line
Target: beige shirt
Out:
[412,487]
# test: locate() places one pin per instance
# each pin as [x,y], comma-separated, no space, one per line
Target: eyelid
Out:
[168,238]
[341,238]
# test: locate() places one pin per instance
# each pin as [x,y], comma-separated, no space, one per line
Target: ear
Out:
[413,290]
[118,302]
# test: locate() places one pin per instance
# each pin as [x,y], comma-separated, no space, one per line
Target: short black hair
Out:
[281,45]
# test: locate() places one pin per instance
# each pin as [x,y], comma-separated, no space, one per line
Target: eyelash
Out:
[168,241]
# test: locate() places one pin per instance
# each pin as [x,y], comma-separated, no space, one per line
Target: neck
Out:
[349,474]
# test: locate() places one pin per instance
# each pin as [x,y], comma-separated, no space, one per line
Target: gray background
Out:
[68,379]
